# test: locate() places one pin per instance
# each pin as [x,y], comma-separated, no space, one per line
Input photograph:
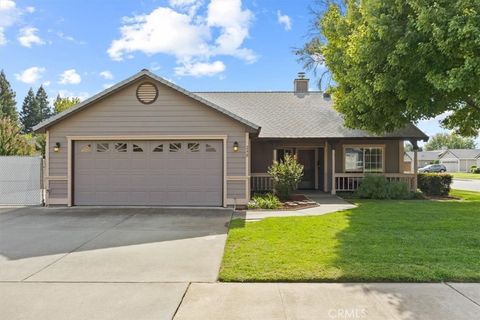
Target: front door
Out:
[307,159]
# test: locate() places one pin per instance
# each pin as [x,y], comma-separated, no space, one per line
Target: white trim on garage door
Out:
[71,139]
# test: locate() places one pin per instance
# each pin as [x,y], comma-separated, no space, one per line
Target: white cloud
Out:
[284,20]
[70,94]
[9,16]
[200,69]
[27,37]
[106,75]
[70,76]
[30,75]
[66,37]
[46,83]
[193,39]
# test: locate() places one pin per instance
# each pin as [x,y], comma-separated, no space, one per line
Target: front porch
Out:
[332,165]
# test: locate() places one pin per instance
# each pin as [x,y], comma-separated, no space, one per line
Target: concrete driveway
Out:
[122,263]
[470,185]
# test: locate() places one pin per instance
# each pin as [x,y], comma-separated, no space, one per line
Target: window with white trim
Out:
[137,148]
[210,148]
[281,153]
[158,148]
[364,159]
[86,148]
[193,147]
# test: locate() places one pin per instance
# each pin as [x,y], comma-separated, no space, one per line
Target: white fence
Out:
[20,180]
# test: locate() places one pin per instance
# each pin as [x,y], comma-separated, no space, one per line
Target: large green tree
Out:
[31,113]
[42,99]
[449,141]
[400,61]
[7,99]
[61,104]
[12,142]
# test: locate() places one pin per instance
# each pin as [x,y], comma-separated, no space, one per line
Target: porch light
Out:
[235,146]
[57,147]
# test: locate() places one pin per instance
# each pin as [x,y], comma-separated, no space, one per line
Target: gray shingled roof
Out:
[287,115]
[465,153]
[426,155]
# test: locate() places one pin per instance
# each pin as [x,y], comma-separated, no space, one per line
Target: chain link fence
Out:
[21,180]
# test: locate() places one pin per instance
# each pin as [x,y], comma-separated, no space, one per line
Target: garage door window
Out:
[86,148]
[194,147]
[102,147]
[121,147]
[158,148]
[210,148]
[137,148]
[175,147]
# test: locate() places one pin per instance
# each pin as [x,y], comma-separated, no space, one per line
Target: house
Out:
[455,160]
[147,141]
[424,158]
[460,160]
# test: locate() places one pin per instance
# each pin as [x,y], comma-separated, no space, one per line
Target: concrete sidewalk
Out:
[327,203]
[382,301]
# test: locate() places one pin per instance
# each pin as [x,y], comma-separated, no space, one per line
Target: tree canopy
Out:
[396,62]
[31,114]
[61,104]
[7,99]
[449,141]
[12,143]
[42,99]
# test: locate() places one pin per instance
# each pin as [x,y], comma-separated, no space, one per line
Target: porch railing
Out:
[261,182]
[351,181]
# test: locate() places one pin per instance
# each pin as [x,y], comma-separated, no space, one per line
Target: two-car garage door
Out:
[166,173]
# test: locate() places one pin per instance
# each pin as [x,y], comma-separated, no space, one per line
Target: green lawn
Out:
[465,175]
[416,240]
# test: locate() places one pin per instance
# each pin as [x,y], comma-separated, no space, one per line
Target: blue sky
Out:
[78,48]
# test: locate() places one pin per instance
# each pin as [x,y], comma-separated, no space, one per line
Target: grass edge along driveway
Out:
[397,241]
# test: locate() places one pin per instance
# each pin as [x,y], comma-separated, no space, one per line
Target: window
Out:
[193,147]
[102,147]
[210,148]
[282,152]
[86,148]
[121,147]
[363,159]
[137,148]
[175,147]
[158,148]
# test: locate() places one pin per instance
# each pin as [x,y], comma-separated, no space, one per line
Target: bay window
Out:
[363,159]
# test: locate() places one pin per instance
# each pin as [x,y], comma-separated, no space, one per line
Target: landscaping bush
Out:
[435,184]
[474,169]
[378,187]
[264,201]
[286,175]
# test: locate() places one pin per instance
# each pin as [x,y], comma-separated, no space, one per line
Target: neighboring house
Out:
[146,141]
[455,160]
[460,160]
[424,158]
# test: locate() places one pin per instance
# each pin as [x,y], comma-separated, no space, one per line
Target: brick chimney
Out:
[300,84]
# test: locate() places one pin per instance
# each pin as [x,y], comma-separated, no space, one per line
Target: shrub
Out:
[286,175]
[474,169]
[434,184]
[265,201]
[378,187]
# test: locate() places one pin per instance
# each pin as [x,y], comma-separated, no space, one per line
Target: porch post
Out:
[274,155]
[415,166]
[333,172]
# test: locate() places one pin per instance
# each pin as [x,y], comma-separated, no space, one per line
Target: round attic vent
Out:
[147,93]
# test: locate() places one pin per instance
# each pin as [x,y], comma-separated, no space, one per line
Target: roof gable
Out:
[41,127]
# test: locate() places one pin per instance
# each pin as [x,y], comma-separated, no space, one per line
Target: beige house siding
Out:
[172,114]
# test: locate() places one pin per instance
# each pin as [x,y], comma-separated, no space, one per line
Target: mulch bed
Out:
[295,202]
[441,198]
